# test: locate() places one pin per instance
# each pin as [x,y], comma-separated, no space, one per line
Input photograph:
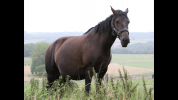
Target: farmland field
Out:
[134,60]
[138,64]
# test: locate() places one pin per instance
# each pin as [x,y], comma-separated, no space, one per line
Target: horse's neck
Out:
[103,40]
[107,42]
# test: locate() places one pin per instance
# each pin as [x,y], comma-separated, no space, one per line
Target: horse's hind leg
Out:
[52,72]
[51,77]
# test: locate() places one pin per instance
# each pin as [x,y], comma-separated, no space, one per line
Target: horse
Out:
[76,56]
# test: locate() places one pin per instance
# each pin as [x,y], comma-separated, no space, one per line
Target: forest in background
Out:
[136,48]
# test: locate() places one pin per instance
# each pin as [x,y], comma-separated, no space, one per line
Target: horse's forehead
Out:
[120,18]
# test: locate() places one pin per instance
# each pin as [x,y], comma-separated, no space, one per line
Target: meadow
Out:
[134,60]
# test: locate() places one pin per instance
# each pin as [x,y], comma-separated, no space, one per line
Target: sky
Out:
[81,15]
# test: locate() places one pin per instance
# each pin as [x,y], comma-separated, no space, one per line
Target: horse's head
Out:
[119,25]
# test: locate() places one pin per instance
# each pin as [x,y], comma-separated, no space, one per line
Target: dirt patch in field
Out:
[27,71]
[112,69]
[27,58]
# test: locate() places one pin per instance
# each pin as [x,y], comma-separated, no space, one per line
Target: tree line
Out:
[137,48]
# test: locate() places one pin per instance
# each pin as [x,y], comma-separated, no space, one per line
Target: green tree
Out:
[33,65]
[28,48]
[38,57]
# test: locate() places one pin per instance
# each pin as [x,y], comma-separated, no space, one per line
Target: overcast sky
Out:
[80,15]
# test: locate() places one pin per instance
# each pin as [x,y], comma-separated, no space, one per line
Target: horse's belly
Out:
[74,74]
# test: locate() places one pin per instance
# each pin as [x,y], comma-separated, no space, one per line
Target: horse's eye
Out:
[117,22]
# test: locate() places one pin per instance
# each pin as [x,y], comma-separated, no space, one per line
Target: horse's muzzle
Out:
[125,42]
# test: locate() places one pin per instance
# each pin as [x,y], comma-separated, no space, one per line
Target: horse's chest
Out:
[101,63]
[102,58]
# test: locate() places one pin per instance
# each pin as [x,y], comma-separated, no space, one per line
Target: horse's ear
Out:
[126,11]
[114,12]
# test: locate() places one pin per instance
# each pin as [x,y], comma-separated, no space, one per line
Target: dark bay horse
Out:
[77,55]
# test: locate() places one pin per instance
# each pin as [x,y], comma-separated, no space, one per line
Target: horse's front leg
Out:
[88,78]
[101,74]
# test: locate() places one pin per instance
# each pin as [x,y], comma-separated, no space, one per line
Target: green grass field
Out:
[151,73]
[134,60]
[27,61]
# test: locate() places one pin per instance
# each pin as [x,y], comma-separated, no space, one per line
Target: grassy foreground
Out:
[123,89]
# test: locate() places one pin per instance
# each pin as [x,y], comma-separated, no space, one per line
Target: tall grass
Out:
[123,88]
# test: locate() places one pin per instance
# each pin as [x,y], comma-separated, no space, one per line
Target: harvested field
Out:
[113,69]
[27,72]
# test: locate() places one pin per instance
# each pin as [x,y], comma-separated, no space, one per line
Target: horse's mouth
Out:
[125,45]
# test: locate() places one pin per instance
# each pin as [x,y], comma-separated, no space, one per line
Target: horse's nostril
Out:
[123,40]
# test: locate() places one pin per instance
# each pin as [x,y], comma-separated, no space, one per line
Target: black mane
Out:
[88,30]
[104,26]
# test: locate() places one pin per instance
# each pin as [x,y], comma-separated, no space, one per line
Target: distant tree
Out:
[28,48]
[38,57]
[40,69]
[33,65]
